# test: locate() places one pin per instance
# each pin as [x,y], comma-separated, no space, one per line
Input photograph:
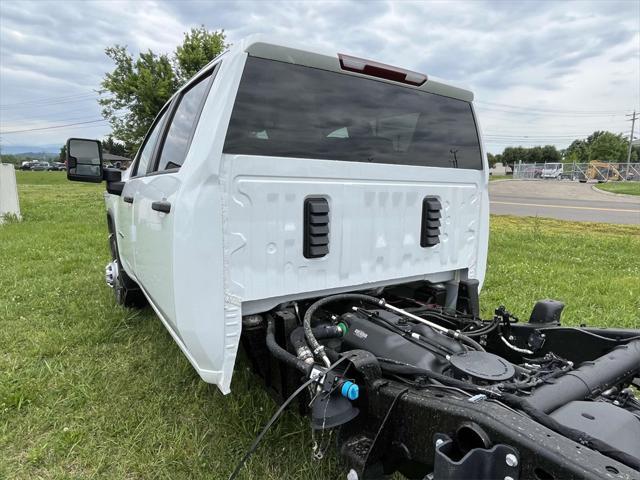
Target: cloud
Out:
[557,56]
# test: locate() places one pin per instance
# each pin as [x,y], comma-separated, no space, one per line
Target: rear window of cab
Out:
[288,110]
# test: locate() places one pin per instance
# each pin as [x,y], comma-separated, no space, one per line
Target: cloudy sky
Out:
[542,72]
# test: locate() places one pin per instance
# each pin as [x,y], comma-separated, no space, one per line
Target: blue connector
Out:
[350,390]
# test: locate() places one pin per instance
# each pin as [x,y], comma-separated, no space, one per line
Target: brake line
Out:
[514,348]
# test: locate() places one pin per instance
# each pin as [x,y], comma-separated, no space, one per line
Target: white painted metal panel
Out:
[375,221]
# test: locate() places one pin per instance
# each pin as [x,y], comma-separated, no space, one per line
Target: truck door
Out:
[156,195]
[125,228]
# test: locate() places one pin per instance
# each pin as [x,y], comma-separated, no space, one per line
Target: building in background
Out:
[116,160]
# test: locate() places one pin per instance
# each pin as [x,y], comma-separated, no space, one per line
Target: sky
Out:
[542,72]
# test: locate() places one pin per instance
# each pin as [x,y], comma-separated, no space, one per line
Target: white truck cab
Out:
[279,173]
[330,214]
[552,170]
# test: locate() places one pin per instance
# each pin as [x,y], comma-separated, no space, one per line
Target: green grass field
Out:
[91,390]
[628,188]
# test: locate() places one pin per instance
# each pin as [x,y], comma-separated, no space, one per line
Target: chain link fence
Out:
[583,172]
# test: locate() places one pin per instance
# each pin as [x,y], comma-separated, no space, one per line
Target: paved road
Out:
[562,200]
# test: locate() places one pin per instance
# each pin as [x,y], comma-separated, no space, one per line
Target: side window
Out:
[183,124]
[149,145]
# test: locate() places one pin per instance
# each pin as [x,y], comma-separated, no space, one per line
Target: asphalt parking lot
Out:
[562,200]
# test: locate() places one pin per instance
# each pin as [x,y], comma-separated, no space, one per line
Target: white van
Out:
[552,170]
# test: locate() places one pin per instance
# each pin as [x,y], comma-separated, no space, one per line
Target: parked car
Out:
[27,165]
[58,166]
[40,166]
[331,215]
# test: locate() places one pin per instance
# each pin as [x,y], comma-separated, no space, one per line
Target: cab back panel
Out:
[375,213]
[258,153]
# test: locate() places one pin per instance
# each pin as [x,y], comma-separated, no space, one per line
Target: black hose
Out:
[299,342]
[332,354]
[470,342]
[280,353]
[316,348]
[483,330]
[320,333]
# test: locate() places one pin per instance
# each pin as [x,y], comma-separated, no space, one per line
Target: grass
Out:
[628,188]
[500,177]
[91,390]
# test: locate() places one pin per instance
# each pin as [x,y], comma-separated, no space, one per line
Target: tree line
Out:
[600,145]
[17,158]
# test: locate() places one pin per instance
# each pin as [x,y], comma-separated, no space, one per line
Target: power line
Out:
[535,137]
[64,119]
[488,115]
[552,110]
[53,127]
[47,99]
[30,124]
[11,116]
[53,103]
[529,141]
[549,114]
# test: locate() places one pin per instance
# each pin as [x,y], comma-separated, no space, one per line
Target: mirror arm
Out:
[115,188]
[111,175]
[113,178]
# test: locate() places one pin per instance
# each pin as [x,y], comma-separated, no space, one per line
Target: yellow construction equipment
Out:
[603,171]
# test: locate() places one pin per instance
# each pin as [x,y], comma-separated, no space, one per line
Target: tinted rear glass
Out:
[288,110]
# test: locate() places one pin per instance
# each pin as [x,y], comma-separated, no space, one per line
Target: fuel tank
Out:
[370,335]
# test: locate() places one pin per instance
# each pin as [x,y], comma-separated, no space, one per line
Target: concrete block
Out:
[9,204]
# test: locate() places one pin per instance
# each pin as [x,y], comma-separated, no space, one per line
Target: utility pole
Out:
[633,124]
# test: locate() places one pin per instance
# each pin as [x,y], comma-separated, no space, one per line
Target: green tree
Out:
[608,147]
[493,159]
[137,88]
[600,145]
[199,47]
[577,152]
[593,137]
[534,155]
[114,147]
[550,154]
[63,153]
[513,155]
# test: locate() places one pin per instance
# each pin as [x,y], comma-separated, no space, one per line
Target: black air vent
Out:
[316,227]
[430,233]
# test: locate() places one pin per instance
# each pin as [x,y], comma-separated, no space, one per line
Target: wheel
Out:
[126,291]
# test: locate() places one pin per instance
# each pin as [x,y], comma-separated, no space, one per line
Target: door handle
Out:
[161,206]
[127,199]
